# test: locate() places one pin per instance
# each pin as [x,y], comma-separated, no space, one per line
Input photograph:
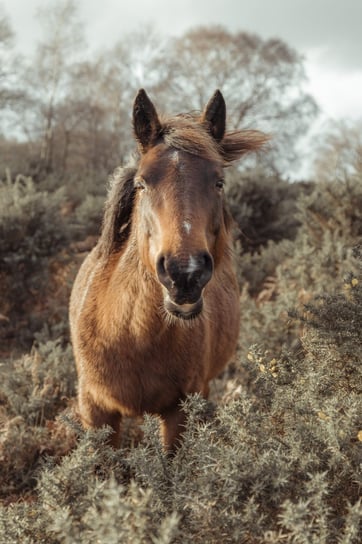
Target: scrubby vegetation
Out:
[274,456]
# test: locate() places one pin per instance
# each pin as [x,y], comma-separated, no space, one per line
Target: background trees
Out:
[47,77]
[340,151]
[75,109]
[11,92]
[5,43]
[262,81]
[8,93]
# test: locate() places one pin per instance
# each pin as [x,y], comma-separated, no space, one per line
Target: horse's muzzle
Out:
[184,279]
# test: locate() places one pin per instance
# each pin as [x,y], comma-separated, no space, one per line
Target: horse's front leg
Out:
[93,416]
[173,421]
[172,425]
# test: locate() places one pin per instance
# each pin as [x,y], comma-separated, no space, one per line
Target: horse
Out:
[155,307]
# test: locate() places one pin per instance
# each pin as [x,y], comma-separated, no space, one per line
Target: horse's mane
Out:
[183,132]
[118,210]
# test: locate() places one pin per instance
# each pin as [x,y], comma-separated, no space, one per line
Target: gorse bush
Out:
[264,207]
[33,391]
[32,231]
[277,459]
[265,210]
[38,222]
[31,226]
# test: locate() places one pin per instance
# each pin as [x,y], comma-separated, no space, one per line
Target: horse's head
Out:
[182,224]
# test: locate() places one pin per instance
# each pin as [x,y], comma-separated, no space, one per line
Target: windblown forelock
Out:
[185,133]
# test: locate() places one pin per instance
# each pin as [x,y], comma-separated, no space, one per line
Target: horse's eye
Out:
[220,184]
[140,183]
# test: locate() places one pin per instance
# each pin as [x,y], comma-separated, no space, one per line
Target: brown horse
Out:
[154,309]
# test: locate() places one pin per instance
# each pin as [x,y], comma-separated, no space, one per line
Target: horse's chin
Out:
[183,311]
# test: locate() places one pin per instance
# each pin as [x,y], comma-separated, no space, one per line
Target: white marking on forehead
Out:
[187,226]
[175,156]
[192,265]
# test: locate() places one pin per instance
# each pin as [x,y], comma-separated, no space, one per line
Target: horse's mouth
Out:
[184,311]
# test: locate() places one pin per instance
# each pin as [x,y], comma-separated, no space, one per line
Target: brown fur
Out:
[132,355]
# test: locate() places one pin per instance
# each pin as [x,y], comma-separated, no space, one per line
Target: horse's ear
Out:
[214,116]
[146,124]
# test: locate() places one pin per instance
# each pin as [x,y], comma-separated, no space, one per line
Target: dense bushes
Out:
[34,389]
[276,461]
[38,223]
[264,207]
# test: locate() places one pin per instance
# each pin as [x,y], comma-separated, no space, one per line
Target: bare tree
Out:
[141,59]
[340,152]
[10,92]
[262,81]
[89,119]
[6,37]
[48,74]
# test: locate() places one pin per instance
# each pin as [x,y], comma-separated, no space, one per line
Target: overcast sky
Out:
[327,32]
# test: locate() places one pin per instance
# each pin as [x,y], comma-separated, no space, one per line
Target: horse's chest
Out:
[150,380]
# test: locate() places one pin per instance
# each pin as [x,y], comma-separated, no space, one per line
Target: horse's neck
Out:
[134,295]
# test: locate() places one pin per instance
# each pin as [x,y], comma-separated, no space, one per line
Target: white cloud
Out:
[338,91]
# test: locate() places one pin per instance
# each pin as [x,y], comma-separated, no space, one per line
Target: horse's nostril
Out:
[208,268]
[208,261]
[162,273]
[161,265]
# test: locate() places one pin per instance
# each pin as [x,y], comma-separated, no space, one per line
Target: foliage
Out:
[264,207]
[30,220]
[276,461]
[339,155]
[38,222]
[32,230]
[8,92]
[274,455]
[262,80]
[34,389]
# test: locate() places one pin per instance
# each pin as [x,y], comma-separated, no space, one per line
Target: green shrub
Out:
[88,215]
[264,207]
[32,230]
[33,391]
[278,459]
[30,222]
